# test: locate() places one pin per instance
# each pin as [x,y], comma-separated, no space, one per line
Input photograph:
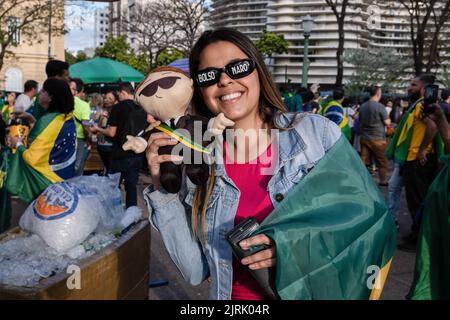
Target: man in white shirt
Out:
[24,101]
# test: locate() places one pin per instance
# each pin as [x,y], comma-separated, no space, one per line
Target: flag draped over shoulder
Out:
[333,232]
[331,110]
[398,147]
[50,157]
[432,271]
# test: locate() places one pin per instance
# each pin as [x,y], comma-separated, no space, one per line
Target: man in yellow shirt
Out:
[420,167]
[82,112]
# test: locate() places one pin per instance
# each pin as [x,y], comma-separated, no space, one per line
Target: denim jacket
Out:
[299,149]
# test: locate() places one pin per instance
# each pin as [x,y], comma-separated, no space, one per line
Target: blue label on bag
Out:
[56,202]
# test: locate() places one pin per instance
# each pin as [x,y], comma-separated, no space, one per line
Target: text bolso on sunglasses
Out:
[235,70]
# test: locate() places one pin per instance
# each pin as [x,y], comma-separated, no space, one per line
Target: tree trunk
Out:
[340,52]
[432,58]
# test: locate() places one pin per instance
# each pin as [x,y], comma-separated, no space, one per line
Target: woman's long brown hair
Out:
[270,103]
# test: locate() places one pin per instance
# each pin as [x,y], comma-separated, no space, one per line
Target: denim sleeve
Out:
[331,134]
[169,216]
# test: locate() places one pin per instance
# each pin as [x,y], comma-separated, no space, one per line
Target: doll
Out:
[165,94]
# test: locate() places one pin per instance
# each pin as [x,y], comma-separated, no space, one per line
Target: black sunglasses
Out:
[165,83]
[235,70]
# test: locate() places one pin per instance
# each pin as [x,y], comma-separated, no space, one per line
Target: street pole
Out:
[285,73]
[305,62]
[50,30]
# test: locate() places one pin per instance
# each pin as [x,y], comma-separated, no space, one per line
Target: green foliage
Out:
[270,43]
[167,56]
[114,48]
[71,59]
[381,67]
[81,56]
[118,49]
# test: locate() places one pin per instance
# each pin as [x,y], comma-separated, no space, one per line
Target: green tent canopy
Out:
[104,70]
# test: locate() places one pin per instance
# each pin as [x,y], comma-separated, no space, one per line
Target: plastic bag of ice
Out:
[63,215]
[108,193]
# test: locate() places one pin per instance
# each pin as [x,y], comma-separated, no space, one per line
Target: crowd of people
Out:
[65,124]
[373,121]
[46,135]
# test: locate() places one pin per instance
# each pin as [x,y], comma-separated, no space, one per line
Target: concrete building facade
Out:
[101,26]
[369,24]
[28,60]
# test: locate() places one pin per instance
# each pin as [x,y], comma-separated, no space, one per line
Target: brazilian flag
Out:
[334,235]
[432,271]
[50,157]
[398,147]
[345,127]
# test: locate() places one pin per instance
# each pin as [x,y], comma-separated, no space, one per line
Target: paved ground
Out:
[162,268]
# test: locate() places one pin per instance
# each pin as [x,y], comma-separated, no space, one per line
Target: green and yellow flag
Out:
[345,127]
[49,159]
[5,205]
[398,147]
[333,232]
[432,271]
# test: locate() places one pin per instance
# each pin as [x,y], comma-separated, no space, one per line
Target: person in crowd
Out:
[432,265]
[374,119]
[194,222]
[96,106]
[105,142]
[126,162]
[81,114]
[414,148]
[54,69]
[50,156]
[8,107]
[445,104]
[335,112]
[308,101]
[25,100]
[389,105]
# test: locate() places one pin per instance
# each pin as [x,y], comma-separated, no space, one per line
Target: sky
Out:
[79,20]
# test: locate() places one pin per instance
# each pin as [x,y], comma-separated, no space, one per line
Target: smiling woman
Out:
[232,79]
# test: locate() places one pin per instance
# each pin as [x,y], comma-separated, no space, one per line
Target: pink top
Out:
[254,202]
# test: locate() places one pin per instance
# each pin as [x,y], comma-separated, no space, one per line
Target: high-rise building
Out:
[369,24]
[101,26]
[247,16]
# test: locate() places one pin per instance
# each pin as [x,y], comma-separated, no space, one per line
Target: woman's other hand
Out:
[262,259]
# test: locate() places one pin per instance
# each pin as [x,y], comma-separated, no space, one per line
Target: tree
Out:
[79,57]
[375,67]
[147,26]
[187,18]
[27,21]
[168,56]
[118,49]
[270,43]
[69,57]
[340,18]
[445,76]
[426,18]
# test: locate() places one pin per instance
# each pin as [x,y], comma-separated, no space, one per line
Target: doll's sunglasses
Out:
[235,70]
[164,83]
